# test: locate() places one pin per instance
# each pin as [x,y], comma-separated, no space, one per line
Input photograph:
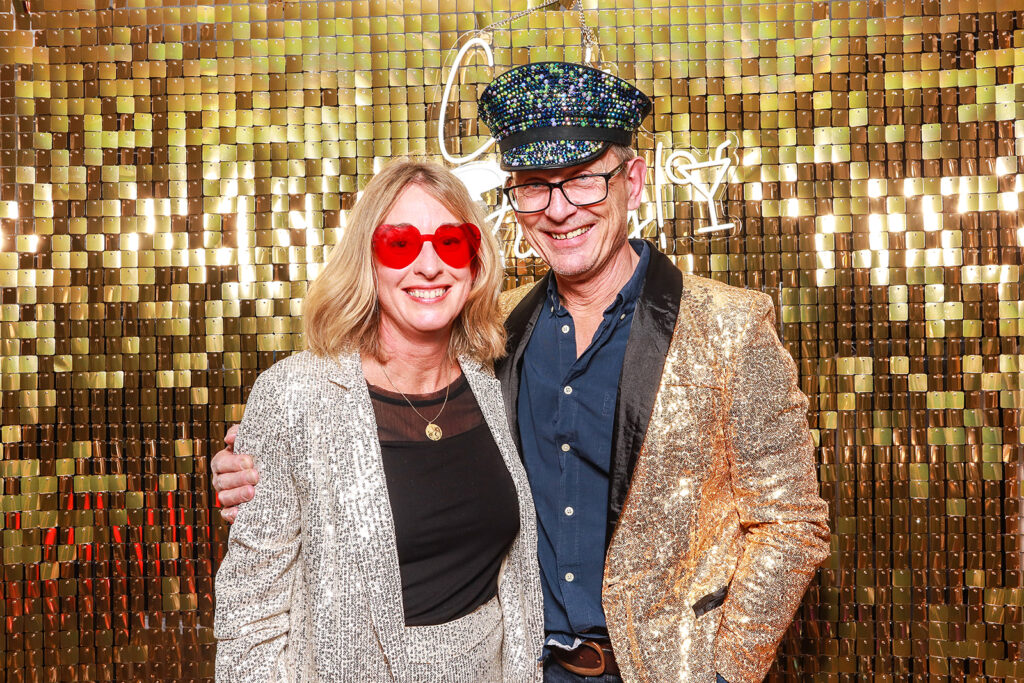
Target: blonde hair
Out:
[341,311]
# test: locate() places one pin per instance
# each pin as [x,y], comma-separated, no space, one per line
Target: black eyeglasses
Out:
[581,190]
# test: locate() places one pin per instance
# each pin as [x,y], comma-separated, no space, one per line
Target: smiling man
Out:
[657,414]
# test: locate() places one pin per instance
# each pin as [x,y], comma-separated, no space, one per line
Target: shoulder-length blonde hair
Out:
[341,310]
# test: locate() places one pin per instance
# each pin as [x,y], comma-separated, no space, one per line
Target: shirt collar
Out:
[630,292]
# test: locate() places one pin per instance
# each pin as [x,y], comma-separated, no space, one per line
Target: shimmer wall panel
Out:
[172,177]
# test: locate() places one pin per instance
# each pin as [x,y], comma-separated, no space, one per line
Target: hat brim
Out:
[551,154]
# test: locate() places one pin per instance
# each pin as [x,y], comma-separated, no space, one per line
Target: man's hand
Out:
[234,477]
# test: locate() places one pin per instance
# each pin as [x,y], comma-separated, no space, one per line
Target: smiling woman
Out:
[422,289]
[392,535]
[341,310]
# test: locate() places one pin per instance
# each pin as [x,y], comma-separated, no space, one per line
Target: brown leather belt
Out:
[591,658]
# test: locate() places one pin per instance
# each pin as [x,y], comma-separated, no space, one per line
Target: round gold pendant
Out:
[433,432]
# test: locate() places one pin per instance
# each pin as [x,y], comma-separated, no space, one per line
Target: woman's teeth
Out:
[427,294]
[569,235]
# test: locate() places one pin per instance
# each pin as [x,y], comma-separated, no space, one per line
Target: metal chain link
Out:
[587,35]
[518,15]
[589,40]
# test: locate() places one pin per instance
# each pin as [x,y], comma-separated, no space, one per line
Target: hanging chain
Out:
[588,39]
[591,49]
[517,15]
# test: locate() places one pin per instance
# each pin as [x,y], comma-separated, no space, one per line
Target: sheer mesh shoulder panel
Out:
[396,421]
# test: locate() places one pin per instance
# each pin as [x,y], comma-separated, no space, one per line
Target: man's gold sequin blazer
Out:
[715,525]
[310,589]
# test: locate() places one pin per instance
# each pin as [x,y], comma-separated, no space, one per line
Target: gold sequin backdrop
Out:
[171,176]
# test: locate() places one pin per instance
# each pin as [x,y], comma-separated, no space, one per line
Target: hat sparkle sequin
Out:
[557,114]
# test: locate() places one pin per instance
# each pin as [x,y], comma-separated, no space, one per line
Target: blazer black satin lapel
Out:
[649,338]
[519,326]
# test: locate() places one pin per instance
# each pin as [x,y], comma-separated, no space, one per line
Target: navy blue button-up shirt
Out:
[566,418]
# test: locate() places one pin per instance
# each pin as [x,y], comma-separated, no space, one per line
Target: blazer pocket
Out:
[710,602]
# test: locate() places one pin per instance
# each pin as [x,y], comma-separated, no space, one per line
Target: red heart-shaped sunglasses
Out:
[397,246]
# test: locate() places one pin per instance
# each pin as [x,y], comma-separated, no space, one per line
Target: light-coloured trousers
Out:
[466,650]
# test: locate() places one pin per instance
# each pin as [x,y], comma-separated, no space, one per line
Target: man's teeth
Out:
[569,235]
[427,293]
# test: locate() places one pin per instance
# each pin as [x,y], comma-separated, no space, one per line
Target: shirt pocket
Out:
[608,406]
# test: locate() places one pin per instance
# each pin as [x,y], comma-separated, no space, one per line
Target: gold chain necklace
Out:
[433,432]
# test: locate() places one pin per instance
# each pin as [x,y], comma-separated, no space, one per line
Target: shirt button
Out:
[570,577]
[567,390]
[565,329]
[569,512]
[565,447]
[622,317]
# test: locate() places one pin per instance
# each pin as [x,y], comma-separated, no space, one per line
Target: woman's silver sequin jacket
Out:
[310,588]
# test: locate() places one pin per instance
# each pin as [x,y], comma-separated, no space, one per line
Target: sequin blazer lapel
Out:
[364,505]
[649,337]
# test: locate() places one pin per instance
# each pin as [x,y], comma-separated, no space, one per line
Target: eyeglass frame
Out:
[608,175]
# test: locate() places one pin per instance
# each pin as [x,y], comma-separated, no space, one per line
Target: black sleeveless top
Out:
[454,504]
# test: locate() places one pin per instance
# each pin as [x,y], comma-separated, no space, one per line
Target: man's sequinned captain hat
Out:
[557,114]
